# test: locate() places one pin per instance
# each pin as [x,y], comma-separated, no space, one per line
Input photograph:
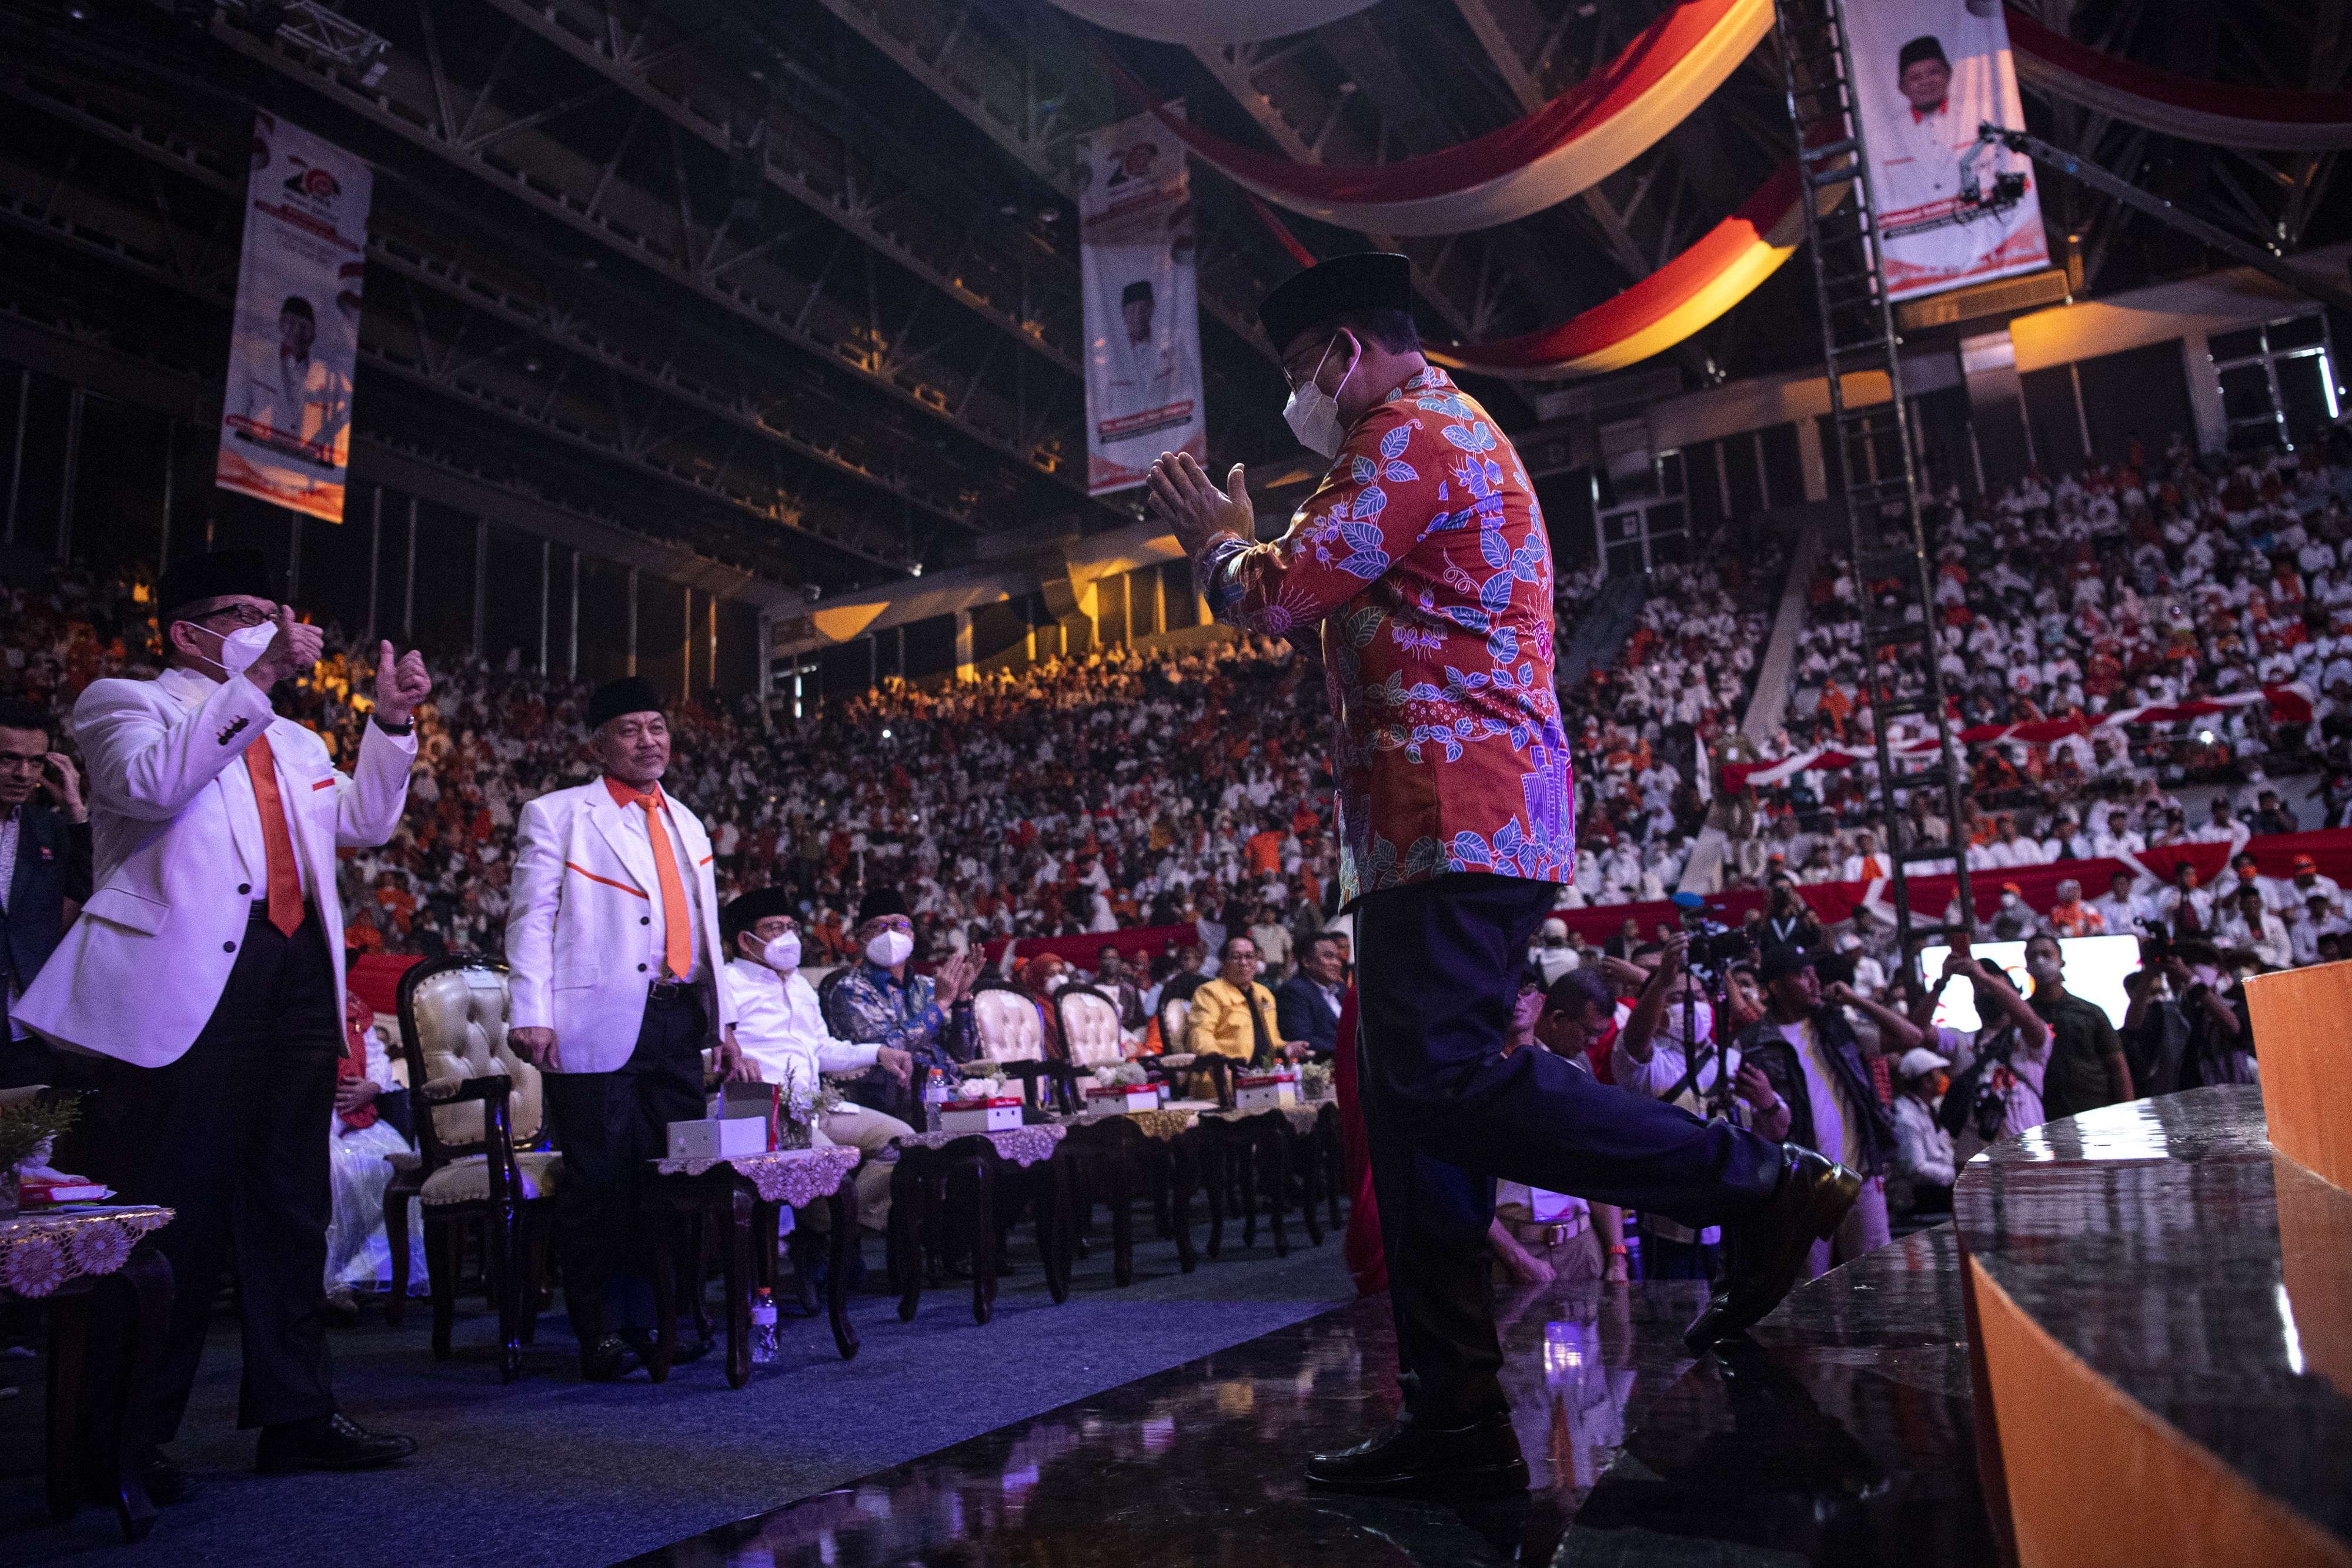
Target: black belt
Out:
[670,990]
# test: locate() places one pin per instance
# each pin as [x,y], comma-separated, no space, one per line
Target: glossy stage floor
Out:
[1845,1434]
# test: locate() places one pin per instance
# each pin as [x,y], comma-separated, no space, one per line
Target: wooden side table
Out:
[947,1176]
[746,1195]
[67,1260]
[1132,1151]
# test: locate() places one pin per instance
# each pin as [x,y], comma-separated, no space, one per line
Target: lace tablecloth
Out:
[1165,1123]
[1302,1118]
[792,1177]
[38,1252]
[1021,1145]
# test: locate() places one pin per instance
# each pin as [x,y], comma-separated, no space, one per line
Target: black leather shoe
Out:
[165,1481]
[1481,1459]
[327,1443]
[609,1360]
[1764,1252]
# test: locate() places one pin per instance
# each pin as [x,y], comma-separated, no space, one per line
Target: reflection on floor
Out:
[1842,1436]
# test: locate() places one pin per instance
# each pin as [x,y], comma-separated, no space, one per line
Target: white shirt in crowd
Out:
[1832,1133]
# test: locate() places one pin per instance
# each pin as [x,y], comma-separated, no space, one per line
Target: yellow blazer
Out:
[1219,1024]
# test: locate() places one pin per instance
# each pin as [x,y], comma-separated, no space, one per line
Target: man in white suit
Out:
[204,975]
[613,948]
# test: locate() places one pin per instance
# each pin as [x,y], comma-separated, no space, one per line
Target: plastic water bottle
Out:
[935,1094]
[763,1329]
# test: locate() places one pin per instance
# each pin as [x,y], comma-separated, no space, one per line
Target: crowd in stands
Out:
[2157,580]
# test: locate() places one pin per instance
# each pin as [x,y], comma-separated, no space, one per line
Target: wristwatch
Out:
[377,719]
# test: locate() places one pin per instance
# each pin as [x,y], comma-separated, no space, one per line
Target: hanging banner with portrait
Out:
[1142,304]
[286,417]
[1926,74]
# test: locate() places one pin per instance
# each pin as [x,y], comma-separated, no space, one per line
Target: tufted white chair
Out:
[480,1131]
[1175,1013]
[1011,1036]
[1090,1030]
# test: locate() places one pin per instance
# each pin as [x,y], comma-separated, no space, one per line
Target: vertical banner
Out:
[286,418]
[1135,242]
[1926,74]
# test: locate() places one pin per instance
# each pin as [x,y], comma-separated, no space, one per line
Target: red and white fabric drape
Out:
[2264,119]
[2288,704]
[1571,145]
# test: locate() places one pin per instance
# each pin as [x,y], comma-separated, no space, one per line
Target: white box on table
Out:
[718,1138]
[1124,1097]
[980,1116]
[1264,1090]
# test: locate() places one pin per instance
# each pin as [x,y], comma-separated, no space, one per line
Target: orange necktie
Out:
[677,939]
[276,843]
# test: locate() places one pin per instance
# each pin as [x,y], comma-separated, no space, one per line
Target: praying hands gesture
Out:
[1183,498]
[400,685]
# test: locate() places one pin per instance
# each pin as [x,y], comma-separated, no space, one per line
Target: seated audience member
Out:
[2069,916]
[1818,1093]
[2186,909]
[2087,1067]
[784,1040]
[47,843]
[1232,1014]
[1187,979]
[2124,912]
[1538,1236]
[2316,923]
[2306,883]
[881,1001]
[2247,921]
[1306,1007]
[359,1138]
[1923,1150]
[1039,978]
[1113,980]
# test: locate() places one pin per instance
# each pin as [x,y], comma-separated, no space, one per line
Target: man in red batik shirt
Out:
[1422,556]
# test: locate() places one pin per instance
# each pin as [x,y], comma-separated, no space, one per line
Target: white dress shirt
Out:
[781,1029]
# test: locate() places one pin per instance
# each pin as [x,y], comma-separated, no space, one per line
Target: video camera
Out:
[1714,945]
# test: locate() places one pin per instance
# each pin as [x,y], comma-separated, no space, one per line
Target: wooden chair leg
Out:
[395,1235]
[908,1193]
[441,1248]
[843,1207]
[972,1196]
[740,1268]
[501,1268]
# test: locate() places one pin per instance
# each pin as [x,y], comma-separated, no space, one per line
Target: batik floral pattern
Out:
[1424,557]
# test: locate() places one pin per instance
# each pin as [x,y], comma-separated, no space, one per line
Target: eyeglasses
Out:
[237,615]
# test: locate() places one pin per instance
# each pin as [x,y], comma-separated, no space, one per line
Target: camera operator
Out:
[1816,1091]
[2220,1034]
[1672,1022]
[1788,921]
[1999,1069]
[1536,1236]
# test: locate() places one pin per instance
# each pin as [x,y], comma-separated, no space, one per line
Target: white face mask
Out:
[240,648]
[1056,982]
[1701,1020]
[783,953]
[889,949]
[1313,414]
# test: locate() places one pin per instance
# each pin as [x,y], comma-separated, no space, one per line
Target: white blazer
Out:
[577,914]
[180,860]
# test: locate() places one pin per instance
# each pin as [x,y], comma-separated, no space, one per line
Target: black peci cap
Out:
[1926,46]
[630,694]
[743,912]
[193,578]
[1368,280]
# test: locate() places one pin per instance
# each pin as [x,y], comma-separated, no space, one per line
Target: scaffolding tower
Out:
[1870,462]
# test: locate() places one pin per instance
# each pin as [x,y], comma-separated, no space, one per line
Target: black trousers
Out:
[1445,1115]
[609,1124]
[233,1136]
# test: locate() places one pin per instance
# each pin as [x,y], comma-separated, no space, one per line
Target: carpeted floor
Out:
[550,1470]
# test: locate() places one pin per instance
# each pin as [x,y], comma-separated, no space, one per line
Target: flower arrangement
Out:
[983,1089]
[1119,1074]
[796,1115]
[29,1123]
[1315,1080]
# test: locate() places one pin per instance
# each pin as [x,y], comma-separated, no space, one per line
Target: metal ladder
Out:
[1872,461]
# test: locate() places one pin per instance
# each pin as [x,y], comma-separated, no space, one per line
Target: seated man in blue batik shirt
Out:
[878,1002]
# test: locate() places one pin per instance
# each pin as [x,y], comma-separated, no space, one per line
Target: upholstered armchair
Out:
[1091,1031]
[481,1138]
[1011,1038]
[1175,1014]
